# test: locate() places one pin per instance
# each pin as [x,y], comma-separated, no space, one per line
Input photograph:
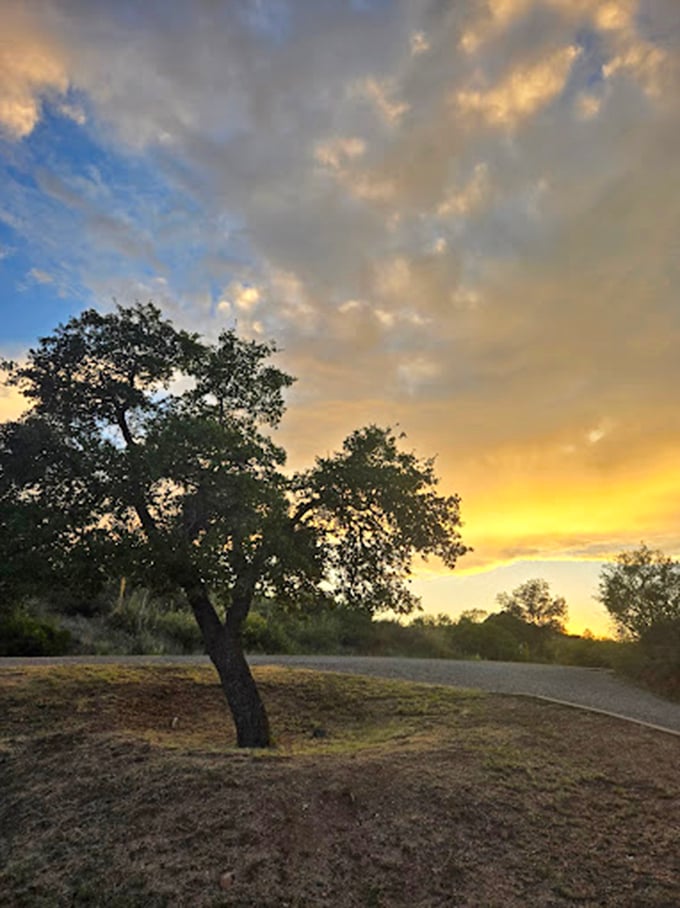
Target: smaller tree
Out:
[473,615]
[641,589]
[534,603]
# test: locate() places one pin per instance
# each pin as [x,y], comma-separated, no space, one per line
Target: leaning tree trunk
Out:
[223,644]
[247,709]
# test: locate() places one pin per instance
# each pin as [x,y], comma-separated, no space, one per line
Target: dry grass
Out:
[122,787]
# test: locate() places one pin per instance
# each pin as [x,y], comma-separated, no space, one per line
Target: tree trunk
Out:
[225,649]
[247,709]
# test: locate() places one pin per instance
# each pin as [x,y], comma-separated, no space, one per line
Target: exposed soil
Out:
[121,787]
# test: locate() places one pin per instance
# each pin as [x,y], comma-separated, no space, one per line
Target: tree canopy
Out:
[533,602]
[640,590]
[146,453]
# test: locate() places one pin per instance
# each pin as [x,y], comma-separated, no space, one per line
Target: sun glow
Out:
[577,515]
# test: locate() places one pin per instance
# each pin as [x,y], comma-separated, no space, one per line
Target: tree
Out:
[473,615]
[487,639]
[534,603]
[641,589]
[144,454]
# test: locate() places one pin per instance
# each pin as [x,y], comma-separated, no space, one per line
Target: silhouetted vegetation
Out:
[535,604]
[136,621]
[641,591]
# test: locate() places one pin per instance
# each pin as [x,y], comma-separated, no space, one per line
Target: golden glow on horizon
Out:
[575,516]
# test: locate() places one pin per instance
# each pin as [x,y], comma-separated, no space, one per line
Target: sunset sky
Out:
[458,216]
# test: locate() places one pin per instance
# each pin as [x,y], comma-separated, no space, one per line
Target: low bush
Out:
[22,634]
[263,634]
[654,659]
[585,651]
[487,640]
[180,631]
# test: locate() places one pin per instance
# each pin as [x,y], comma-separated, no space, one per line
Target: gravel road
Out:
[590,688]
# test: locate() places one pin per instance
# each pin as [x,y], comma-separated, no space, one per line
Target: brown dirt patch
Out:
[413,796]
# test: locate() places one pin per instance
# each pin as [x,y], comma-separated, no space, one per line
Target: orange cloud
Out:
[523,92]
[31,65]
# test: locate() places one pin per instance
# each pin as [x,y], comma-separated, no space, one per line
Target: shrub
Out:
[22,634]
[263,634]
[585,651]
[654,660]
[179,631]
[488,640]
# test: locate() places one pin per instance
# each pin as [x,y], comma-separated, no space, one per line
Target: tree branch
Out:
[139,503]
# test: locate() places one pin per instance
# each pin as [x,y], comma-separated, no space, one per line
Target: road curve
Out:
[587,688]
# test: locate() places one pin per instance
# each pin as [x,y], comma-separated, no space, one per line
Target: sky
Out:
[458,218]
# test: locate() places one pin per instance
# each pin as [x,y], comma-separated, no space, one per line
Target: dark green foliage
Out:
[491,639]
[534,603]
[153,623]
[654,659]
[374,506]
[640,590]
[179,632]
[426,637]
[323,627]
[660,645]
[42,551]
[140,622]
[114,471]
[22,634]
[584,651]
[533,640]
[117,472]
[330,629]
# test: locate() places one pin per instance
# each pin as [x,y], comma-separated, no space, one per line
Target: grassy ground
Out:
[121,787]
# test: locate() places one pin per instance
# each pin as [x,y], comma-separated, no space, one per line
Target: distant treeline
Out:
[500,636]
[138,622]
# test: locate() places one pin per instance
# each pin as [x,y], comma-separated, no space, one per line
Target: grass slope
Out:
[122,787]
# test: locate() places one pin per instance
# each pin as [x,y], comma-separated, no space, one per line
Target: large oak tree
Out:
[145,453]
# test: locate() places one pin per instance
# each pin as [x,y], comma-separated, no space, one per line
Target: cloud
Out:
[40,277]
[31,66]
[522,92]
[335,152]
[466,199]
[381,95]
[419,43]
[73,112]
[458,217]
[587,105]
